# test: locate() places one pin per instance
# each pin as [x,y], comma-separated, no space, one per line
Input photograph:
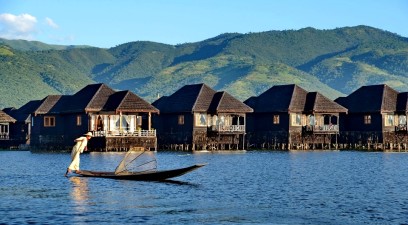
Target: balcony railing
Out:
[323,128]
[4,136]
[125,133]
[401,128]
[228,128]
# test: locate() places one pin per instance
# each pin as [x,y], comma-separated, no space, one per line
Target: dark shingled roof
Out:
[47,104]
[23,114]
[92,98]
[189,98]
[292,98]
[402,102]
[127,101]
[224,102]
[5,118]
[317,103]
[279,98]
[373,98]
[200,98]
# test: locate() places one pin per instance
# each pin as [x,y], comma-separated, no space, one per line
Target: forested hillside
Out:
[333,62]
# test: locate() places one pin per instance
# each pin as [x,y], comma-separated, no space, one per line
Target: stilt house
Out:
[118,120]
[20,131]
[377,113]
[197,117]
[5,121]
[289,117]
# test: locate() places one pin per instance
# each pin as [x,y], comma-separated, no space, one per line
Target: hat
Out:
[88,134]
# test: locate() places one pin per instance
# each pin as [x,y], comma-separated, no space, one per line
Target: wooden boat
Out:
[142,176]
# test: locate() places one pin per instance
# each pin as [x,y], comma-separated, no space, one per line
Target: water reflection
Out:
[258,187]
[79,193]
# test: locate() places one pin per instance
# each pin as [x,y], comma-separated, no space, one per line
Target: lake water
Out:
[256,187]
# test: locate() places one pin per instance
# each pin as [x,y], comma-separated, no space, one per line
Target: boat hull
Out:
[143,176]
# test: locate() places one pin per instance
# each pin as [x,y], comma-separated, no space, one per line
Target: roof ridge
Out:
[222,96]
[94,95]
[316,95]
[292,97]
[124,97]
[199,94]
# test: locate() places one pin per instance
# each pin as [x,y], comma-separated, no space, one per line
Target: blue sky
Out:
[108,23]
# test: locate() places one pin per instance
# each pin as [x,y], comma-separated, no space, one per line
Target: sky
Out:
[108,23]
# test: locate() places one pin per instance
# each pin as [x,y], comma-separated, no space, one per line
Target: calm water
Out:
[259,187]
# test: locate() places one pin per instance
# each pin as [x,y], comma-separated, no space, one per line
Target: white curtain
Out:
[132,123]
[92,122]
[112,122]
[127,119]
[105,122]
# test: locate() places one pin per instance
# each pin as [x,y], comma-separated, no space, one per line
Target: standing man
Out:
[79,147]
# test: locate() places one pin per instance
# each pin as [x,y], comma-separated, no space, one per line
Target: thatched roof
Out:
[373,98]
[200,98]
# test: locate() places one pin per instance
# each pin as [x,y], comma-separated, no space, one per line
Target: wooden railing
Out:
[323,128]
[124,133]
[4,136]
[401,128]
[228,128]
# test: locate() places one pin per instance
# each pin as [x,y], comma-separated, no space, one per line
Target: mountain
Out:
[334,62]
[24,45]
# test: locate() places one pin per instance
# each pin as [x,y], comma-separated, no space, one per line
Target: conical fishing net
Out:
[137,161]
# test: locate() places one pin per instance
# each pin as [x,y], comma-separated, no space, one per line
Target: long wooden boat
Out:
[142,176]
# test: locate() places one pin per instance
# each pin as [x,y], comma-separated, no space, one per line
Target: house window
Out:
[275,119]
[181,119]
[402,120]
[139,121]
[49,121]
[3,128]
[201,119]
[79,120]
[296,119]
[389,120]
[367,119]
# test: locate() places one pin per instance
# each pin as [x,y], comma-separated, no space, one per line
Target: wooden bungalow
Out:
[289,117]
[376,118]
[118,120]
[5,121]
[197,117]
[20,131]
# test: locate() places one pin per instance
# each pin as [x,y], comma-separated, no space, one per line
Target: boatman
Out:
[79,147]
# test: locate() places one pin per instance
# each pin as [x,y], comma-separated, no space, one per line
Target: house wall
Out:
[263,133]
[169,131]
[20,132]
[58,137]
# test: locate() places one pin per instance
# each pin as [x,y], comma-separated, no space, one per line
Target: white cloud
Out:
[51,23]
[17,26]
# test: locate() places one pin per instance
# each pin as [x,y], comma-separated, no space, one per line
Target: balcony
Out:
[228,128]
[401,128]
[125,133]
[321,129]
[4,136]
